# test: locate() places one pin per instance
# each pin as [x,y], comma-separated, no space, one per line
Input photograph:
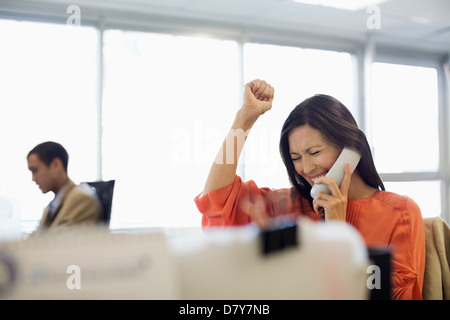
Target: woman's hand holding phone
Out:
[334,204]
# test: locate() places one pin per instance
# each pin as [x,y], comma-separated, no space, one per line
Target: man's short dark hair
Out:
[47,151]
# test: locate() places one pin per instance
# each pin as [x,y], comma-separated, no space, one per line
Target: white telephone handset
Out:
[337,170]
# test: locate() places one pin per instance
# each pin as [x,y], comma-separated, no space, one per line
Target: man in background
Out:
[73,204]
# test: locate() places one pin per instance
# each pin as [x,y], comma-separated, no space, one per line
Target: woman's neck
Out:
[359,189]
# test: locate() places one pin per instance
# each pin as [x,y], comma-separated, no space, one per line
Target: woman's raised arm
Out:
[258,97]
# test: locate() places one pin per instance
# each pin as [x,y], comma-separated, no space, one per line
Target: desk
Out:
[329,262]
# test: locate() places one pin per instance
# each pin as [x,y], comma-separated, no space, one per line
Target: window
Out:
[405,118]
[168,103]
[427,194]
[406,131]
[48,92]
[296,74]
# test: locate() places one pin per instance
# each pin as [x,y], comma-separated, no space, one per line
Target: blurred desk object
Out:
[329,261]
[380,262]
[318,261]
[88,263]
[9,219]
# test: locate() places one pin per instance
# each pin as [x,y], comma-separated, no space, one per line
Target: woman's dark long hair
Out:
[337,125]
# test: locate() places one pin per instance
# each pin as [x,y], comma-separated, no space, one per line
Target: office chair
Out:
[104,191]
[436,283]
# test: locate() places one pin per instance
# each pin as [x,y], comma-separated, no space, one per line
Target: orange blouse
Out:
[384,219]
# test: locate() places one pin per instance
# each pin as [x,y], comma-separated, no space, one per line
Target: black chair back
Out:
[104,191]
[381,258]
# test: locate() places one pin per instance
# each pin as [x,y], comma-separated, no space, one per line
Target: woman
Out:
[312,138]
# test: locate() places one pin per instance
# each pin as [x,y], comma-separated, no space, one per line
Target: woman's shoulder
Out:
[397,201]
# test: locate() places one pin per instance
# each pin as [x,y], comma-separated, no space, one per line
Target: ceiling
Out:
[416,21]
